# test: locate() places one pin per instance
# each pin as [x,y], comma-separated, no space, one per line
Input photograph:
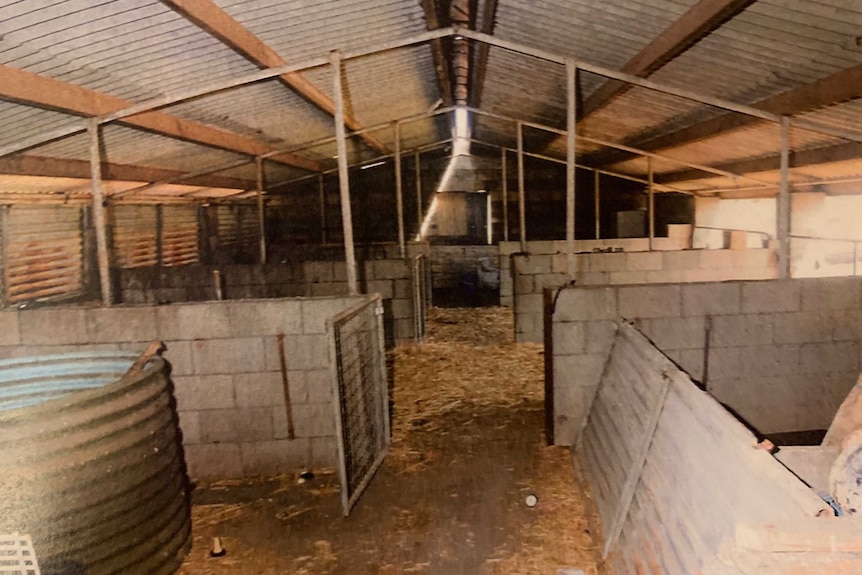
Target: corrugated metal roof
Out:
[140,49]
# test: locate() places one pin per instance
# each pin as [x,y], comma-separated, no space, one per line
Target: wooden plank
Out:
[817,156]
[36,90]
[441,60]
[210,17]
[30,165]
[839,87]
[699,21]
[814,534]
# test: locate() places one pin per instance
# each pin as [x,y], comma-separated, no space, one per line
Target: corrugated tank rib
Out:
[92,464]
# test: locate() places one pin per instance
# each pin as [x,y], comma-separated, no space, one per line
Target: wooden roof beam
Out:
[30,165]
[44,92]
[489,21]
[208,16]
[817,156]
[441,61]
[698,22]
[839,87]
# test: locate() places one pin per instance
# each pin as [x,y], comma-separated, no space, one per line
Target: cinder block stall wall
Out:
[391,278]
[783,354]
[226,372]
[524,277]
[449,262]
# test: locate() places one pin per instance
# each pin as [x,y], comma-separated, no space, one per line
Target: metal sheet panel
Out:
[105,449]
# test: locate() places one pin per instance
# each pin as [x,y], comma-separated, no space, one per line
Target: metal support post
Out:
[597,195]
[783,203]
[261,210]
[651,207]
[399,198]
[571,143]
[343,181]
[522,215]
[322,192]
[99,212]
[418,167]
[505,185]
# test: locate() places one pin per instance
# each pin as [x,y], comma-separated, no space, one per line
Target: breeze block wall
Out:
[524,276]
[782,354]
[226,372]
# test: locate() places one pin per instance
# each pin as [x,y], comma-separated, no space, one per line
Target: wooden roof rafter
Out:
[208,16]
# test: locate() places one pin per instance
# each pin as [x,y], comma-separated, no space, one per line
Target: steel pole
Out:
[783,203]
[321,190]
[505,184]
[261,213]
[597,198]
[399,197]
[571,143]
[343,177]
[99,212]
[418,168]
[522,215]
[651,198]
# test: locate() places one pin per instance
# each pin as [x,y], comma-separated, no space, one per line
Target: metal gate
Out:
[419,275]
[360,391]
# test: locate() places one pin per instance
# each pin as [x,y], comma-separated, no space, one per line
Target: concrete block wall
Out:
[524,277]
[196,282]
[782,354]
[391,278]
[449,262]
[226,372]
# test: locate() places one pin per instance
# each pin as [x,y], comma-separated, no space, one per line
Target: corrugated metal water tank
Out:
[91,464]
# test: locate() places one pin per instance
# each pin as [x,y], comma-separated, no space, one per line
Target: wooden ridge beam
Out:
[698,22]
[480,68]
[210,17]
[44,92]
[30,165]
[438,51]
[839,87]
[825,155]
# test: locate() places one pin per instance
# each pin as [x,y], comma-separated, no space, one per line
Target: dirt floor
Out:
[449,499]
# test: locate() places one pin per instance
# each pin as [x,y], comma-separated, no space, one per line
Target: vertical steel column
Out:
[505,184]
[99,211]
[322,191]
[522,211]
[651,198]
[343,181]
[571,143]
[597,194]
[399,198]
[418,167]
[783,203]
[261,213]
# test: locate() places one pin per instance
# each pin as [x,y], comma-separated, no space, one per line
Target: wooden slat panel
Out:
[134,233]
[180,236]
[43,253]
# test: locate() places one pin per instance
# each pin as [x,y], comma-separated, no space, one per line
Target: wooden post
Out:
[399,198]
[261,210]
[783,203]
[322,192]
[571,142]
[597,194]
[343,177]
[522,211]
[99,211]
[505,184]
[651,199]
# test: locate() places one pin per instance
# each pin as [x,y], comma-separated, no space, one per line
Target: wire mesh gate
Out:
[419,275]
[360,390]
